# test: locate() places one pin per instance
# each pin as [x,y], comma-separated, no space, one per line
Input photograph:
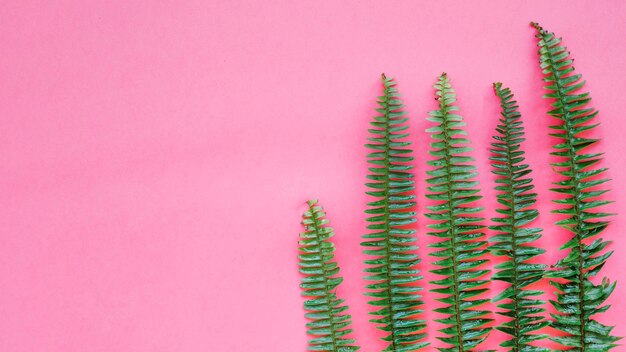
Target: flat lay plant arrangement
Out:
[465,241]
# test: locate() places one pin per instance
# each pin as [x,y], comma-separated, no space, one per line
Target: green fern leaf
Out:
[460,254]
[514,237]
[329,323]
[578,298]
[390,244]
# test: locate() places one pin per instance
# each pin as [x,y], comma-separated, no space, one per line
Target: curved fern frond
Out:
[460,255]
[514,237]
[329,322]
[391,244]
[578,298]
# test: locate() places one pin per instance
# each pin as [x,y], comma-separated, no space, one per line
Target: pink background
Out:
[155,157]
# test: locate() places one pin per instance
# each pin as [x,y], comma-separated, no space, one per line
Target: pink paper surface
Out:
[156,157]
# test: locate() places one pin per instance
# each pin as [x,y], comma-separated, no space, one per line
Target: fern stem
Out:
[509,166]
[392,333]
[457,296]
[516,291]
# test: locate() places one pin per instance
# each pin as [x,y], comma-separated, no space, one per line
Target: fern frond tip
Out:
[536,26]
[329,322]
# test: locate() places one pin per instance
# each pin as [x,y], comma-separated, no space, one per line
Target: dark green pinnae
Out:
[514,238]
[390,244]
[578,298]
[460,253]
[329,323]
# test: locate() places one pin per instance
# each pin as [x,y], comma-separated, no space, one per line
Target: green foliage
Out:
[329,324]
[390,244]
[514,237]
[578,298]
[459,253]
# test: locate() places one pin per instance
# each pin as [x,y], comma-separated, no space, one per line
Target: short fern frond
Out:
[390,244]
[461,252]
[329,323]
[578,298]
[514,237]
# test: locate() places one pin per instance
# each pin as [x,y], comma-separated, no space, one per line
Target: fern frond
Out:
[460,255]
[578,298]
[329,323]
[390,244]
[514,237]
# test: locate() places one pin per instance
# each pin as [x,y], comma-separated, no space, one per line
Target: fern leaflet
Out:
[390,244]
[329,321]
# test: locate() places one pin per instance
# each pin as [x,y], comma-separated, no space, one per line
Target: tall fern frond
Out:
[514,237]
[390,243]
[329,323]
[578,298]
[460,253]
